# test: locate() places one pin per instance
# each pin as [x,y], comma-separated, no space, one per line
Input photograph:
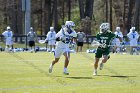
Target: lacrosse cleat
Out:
[95,72]
[50,68]
[101,66]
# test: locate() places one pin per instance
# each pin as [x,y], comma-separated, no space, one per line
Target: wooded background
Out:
[87,14]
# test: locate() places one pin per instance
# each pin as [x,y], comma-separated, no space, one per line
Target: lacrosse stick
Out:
[42,41]
[95,43]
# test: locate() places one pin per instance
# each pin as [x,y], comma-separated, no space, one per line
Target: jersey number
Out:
[103,41]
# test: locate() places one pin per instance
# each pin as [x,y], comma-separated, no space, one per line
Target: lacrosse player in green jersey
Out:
[104,37]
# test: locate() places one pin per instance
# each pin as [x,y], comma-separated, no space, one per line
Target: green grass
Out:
[26,72]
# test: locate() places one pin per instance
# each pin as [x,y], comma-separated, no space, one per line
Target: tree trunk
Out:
[13,16]
[111,15]
[55,16]
[89,8]
[106,10]
[19,17]
[63,11]
[69,10]
[137,12]
[81,7]
[49,16]
[129,22]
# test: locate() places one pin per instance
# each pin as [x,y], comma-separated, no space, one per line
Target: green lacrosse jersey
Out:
[105,39]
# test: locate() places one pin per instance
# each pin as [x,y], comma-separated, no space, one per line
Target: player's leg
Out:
[67,59]
[52,64]
[77,48]
[7,47]
[98,55]
[51,48]
[96,65]
[34,46]
[105,58]
[118,47]
[30,46]
[131,50]
[57,55]
[53,45]
[135,50]
[81,47]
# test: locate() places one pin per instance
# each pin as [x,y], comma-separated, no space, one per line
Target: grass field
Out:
[26,72]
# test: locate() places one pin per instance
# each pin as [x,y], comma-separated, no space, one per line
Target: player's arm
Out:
[4,33]
[60,36]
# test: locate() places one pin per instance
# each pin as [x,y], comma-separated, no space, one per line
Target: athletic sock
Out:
[65,69]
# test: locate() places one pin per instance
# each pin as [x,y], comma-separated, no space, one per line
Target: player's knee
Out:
[56,60]
[105,60]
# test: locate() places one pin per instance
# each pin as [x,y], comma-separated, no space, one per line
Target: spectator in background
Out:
[51,38]
[8,34]
[133,38]
[80,40]
[32,37]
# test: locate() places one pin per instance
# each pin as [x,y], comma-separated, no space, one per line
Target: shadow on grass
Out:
[104,75]
[122,76]
[81,77]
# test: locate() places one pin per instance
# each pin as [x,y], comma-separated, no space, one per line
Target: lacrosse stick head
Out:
[95,44]
[42,41]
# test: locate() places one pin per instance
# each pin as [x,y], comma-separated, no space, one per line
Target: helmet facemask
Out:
[69,25]
[104,27]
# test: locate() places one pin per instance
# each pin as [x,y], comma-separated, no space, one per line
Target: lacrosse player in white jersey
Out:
[51,38]
[117,40]
[133,38]
[64,38]
[8,34]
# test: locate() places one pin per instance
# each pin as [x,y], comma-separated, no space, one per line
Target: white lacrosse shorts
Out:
[51,42]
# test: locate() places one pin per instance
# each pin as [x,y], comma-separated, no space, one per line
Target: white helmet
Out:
[118,28]
[8,28]
[133,28]
[69,23]
[104,27]
[31,28]
[51,28]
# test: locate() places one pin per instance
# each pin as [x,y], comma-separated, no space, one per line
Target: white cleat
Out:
[66,73]
[101,66]
[95,73]
[50,69]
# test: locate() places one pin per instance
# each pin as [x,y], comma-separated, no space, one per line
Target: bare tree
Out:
[55,15]
[110,15]
[81,8]
[137,13]
[129,18]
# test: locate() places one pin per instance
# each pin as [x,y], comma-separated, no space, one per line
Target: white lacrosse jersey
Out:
[133,37]
[69,37]
[8,35]
[51,35]
[119,34]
